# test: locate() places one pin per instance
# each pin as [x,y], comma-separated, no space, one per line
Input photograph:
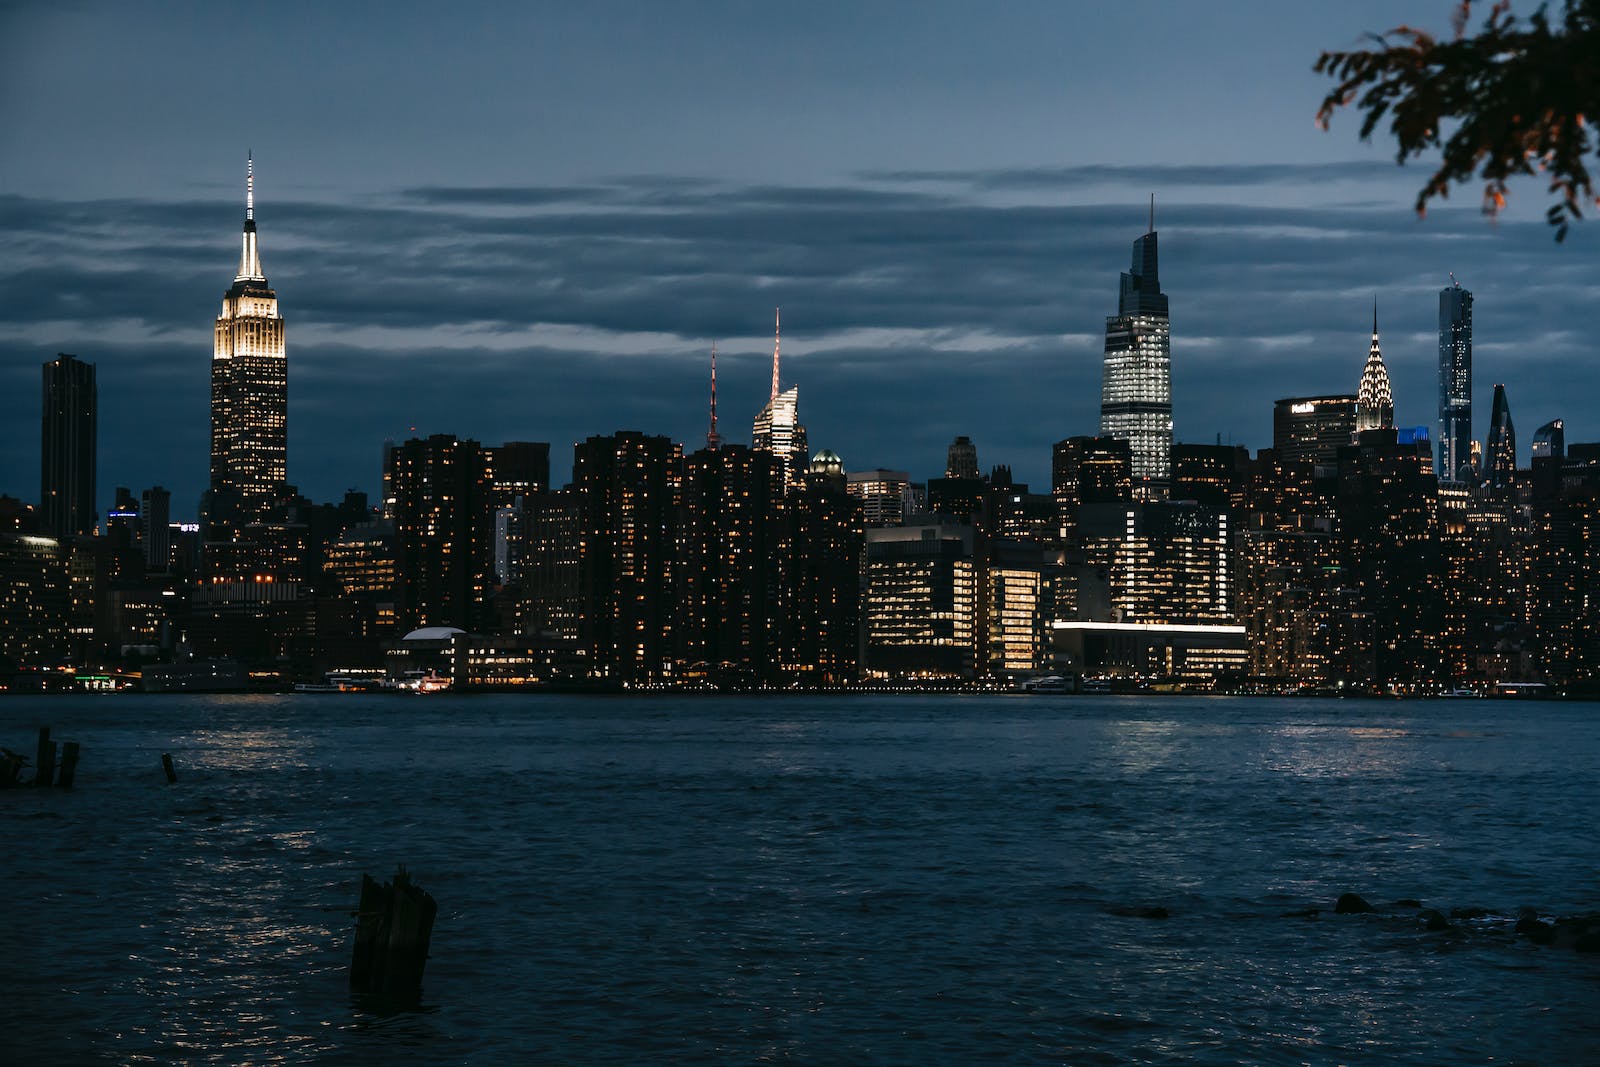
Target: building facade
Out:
[1455,384]
[1136,383]
[67,448]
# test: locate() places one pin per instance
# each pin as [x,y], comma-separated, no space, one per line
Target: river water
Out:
[862,880]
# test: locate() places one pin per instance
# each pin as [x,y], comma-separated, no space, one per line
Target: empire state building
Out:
[249,386]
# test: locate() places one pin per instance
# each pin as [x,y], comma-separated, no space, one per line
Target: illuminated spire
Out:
[1374,401]
[249,254]
[713,438]
[777,338]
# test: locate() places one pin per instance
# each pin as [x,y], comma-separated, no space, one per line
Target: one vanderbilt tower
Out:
[249,387]
[1136,390]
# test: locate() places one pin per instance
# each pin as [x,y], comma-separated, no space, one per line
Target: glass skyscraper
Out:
[1136,387]
[1455,383]
[67,447]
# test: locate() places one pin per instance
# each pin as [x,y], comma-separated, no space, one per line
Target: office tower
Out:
[1312,429]
[961,459]
[628,488]
[155,528]
[1550,440]
[1167,561]
[1500,460]
[67,448]
[1455,382]
[1387,521]
[1215,475]
[820,633]
[777,427]
[1565,572]
[732,545]
[249,389]
[35,600]
[363,565]
[921,602]
[439,485]
[1088,470]
[1136,387]
[552,557]
[884,496]
[1374,401]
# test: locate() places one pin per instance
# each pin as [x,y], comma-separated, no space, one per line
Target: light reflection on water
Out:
[872,880]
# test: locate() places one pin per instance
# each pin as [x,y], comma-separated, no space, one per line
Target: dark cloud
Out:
[556,312]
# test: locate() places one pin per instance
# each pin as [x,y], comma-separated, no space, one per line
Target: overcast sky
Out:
[530,221]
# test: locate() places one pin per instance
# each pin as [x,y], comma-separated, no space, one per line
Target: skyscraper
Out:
[777,428]
[67,447]
[1374,401]
[1136,387]
[1500,458]
[1455,381]
[249,387]
[1312,429]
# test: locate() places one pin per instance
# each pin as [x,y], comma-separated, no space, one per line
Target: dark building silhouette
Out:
[1500,453]
[439,485]
[1215,475]
[1455,384]
[1088,470]
[155,528]
[1387,511]
[627,488]
[820,631]
[67,448]
[961,459]
[734,540]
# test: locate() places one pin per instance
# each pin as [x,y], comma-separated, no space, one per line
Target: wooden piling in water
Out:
[69,764]
[166,763]
[394,925]
[44,763]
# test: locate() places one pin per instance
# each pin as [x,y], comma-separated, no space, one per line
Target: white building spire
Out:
[249,254]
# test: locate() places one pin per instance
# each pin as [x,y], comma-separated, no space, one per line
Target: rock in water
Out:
[1433,920]
[1352,904]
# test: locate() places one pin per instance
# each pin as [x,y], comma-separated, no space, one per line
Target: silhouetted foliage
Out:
[1516,98]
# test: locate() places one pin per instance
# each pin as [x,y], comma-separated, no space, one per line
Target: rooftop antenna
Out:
[1374,314]
[1453,280]
[1152,213]
[713,438]
[249,185]
[777,338]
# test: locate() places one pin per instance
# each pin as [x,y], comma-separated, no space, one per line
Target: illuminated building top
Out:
[1136,385]
[1374,402]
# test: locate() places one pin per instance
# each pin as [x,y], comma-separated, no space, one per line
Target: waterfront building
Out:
[67,448]
[1374,401]
[551,559]
[1455,383]
[1313,428]
[733,545]
[1165,561]
[34,600]
[363,565]
[921,609]
[628,488]
[249,390]
[439,485]
[1136,383]
[825,540]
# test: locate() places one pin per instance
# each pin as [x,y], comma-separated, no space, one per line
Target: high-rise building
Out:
[1088,470]
[1312,429]
[884,496]
[1550,440]
[249,389]
[439,485]
[1500,461]
[1374,401]
[67,448]
[820,632]
[1136,386]
[961,459]
[1455,382]
[921,602]
[777,427]
[155,528]
[628,488]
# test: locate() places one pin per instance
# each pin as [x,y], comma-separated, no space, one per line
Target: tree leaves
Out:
[1514,100]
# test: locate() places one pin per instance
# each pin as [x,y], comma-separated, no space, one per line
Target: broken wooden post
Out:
[69,764]
[44,764]
[394,925]
[166,762]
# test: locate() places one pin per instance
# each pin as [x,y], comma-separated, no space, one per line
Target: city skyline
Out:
[557,303]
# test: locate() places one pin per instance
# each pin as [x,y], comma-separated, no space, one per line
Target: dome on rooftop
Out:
[827,462]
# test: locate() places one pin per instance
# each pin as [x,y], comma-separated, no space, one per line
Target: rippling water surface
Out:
[841,880]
